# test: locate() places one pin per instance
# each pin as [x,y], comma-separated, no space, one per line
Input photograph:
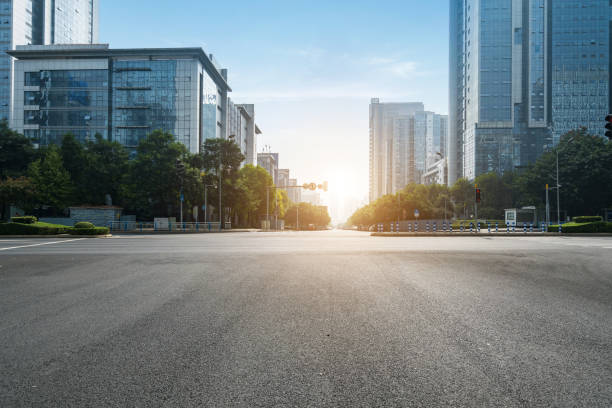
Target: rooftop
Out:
[91,51]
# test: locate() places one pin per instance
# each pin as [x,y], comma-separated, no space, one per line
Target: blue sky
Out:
[310,67]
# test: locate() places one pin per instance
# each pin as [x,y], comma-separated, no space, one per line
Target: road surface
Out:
[319,319]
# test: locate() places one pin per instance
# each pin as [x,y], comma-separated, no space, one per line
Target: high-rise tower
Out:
[522,74]
[41,22]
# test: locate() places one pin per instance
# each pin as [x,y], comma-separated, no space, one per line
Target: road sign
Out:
[203,207]
[416,213]
[182,197]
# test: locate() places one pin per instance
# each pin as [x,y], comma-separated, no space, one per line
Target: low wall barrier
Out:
[176,227]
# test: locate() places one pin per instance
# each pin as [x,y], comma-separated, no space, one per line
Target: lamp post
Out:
[570,140]
[206,201]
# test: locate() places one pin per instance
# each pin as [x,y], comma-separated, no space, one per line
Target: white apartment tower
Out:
[404,140]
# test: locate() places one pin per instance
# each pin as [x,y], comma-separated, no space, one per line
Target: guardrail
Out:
[476,227]
[178,227]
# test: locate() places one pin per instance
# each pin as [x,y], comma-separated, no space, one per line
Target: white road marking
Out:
[44,243]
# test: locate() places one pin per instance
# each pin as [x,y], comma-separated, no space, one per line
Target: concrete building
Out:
[295,194]
[241,125]
[269,161]
[522,73]
[436,173]
[382,129]
[283,178]
[122,94]
[24,22]
[404,140]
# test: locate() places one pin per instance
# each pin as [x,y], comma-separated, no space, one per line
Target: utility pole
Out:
[547,208]
[180,170]
[268,207]
[220,208]
[558,187]
[399,207]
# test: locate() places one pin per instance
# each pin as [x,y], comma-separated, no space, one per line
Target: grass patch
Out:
[583,228]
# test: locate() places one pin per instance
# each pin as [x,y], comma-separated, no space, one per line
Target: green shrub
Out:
[585,219]
[483,224]
[84,224]
[28,219]
[89,231]
[585,228]
[14,228]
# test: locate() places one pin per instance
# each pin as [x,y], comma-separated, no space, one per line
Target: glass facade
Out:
[523,73]
[580,55]
[494,73]
[135,94]
[23,23]
[150,95]
[6,37]
[537,51]
[72,21]
[67,101]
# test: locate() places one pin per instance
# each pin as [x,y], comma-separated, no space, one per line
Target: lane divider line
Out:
[44,243]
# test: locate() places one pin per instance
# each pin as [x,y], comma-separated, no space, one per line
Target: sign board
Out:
[161,223]
[416,213]
[182,197]
[203,207]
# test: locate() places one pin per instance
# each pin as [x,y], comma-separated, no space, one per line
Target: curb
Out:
[484,234]
[144,232]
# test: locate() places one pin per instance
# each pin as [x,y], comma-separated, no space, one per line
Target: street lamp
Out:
[570,140]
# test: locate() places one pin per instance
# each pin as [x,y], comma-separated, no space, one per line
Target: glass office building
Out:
[122,95]
[523,73]
[24,22]
[580,65]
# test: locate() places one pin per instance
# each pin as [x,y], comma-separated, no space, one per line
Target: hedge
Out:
[483,223]
[89,231]
[591,227]
[585,219]
[84,224]
[14,228]
[28,219]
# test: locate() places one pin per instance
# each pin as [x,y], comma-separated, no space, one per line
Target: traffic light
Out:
[478,195]
[609,127]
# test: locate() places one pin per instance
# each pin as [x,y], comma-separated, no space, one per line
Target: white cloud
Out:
[403,69]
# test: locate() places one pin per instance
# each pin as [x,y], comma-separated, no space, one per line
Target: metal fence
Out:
[473,227]
[178,227]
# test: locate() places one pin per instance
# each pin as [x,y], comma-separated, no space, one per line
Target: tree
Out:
[51,180]
[253,182]
[16,152]
[18,191]
[462,193]
[107,170]
[496,196]
[76,160]
[221,160]
[154,185]
[308,214]
[585,175]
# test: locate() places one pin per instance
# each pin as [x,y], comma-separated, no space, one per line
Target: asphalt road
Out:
[316,319]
